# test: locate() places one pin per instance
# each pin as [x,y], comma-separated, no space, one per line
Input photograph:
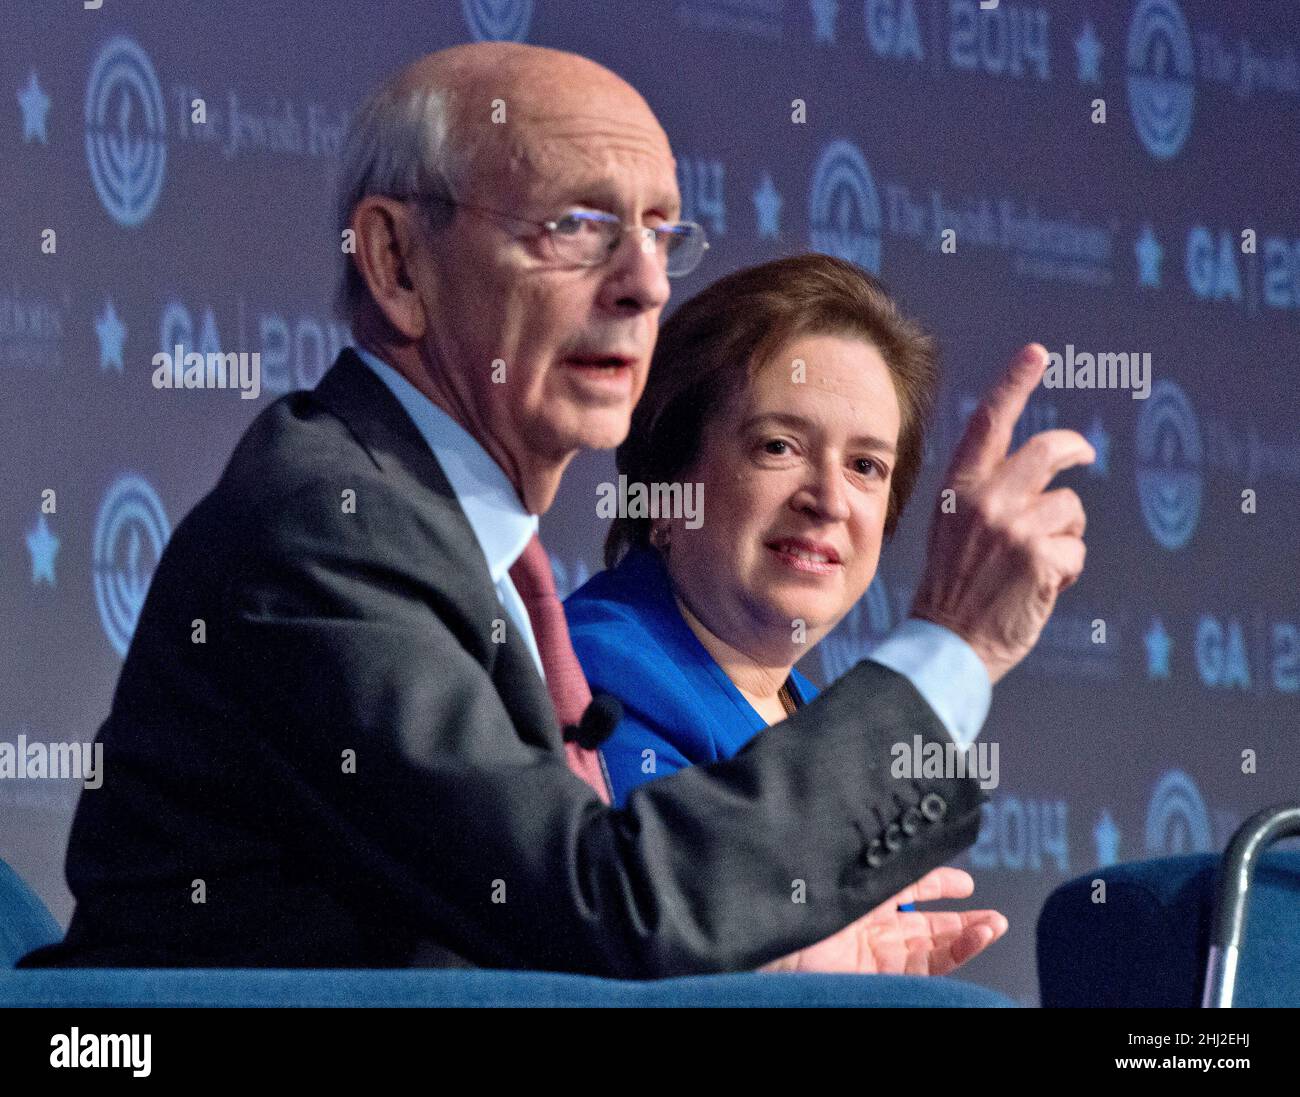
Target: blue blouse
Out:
[679,707]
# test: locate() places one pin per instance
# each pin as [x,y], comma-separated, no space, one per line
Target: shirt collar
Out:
[501,525]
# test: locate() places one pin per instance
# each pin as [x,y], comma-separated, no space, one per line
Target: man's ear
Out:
[387,238]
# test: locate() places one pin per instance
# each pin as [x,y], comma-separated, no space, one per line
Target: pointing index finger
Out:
[988,434]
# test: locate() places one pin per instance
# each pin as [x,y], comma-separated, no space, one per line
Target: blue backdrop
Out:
[1120,176]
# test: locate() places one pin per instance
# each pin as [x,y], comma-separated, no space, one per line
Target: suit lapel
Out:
[352,391]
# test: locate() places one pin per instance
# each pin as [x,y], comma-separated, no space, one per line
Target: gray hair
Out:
[398,143]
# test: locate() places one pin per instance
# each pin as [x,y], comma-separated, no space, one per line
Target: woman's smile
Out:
[805,556]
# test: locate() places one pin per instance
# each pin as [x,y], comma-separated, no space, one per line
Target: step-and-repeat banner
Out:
[1111,178]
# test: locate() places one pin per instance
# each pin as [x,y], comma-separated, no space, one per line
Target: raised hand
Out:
[1006,547]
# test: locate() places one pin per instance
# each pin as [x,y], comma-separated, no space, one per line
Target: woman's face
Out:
[796,477]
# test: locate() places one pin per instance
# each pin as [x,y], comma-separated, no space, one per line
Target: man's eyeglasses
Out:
[587,238]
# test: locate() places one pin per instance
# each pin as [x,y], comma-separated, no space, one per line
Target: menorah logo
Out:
[844,208]
[1169,465]
[126,131]
[1177,821]
[130,533]
[1161,84]
[498,20]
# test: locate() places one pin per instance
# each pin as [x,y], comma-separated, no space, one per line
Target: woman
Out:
[791,400]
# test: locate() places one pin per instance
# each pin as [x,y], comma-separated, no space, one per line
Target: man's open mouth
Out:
[586,361]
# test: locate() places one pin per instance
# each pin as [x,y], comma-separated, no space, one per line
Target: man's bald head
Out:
[543,91]
[434,129]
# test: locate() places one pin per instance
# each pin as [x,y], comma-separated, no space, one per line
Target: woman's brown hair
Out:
[710,347]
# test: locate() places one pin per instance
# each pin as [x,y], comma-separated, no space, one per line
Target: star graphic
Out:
[824,13]
[36,105]
[767,205]
[1158,644]
[112,334]
[1100,440]
[43,546]
[1106,837]
[1088,49]
[1149,253]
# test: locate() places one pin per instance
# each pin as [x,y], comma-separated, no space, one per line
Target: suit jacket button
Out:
[933,806]
[893,837]
[910,821]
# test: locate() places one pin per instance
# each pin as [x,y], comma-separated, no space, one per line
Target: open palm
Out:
[889,941]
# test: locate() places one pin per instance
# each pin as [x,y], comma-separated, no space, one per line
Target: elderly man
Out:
[364,763]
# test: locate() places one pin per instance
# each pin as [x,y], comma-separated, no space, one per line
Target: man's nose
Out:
[636,276]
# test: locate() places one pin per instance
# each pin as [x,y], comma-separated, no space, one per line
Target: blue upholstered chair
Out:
[1148,944]
[26,924]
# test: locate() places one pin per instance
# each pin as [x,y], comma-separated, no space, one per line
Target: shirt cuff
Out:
[945,671]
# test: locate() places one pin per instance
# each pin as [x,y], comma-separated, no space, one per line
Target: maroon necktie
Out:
[565,681]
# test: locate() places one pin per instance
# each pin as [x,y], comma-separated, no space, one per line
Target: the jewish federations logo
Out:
[498,20]
[130,533]
[1169,465]
[1161,79]
[126,131]
[844,208]
[1177,821]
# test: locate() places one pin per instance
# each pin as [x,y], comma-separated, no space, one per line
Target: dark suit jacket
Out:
[457,829]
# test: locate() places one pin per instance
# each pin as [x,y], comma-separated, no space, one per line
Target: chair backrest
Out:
[25,923]
[1146,945]
[1233,891]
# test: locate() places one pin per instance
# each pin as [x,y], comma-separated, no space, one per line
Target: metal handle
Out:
[1253,837]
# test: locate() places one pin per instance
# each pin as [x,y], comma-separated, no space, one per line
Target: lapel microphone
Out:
[597,723]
